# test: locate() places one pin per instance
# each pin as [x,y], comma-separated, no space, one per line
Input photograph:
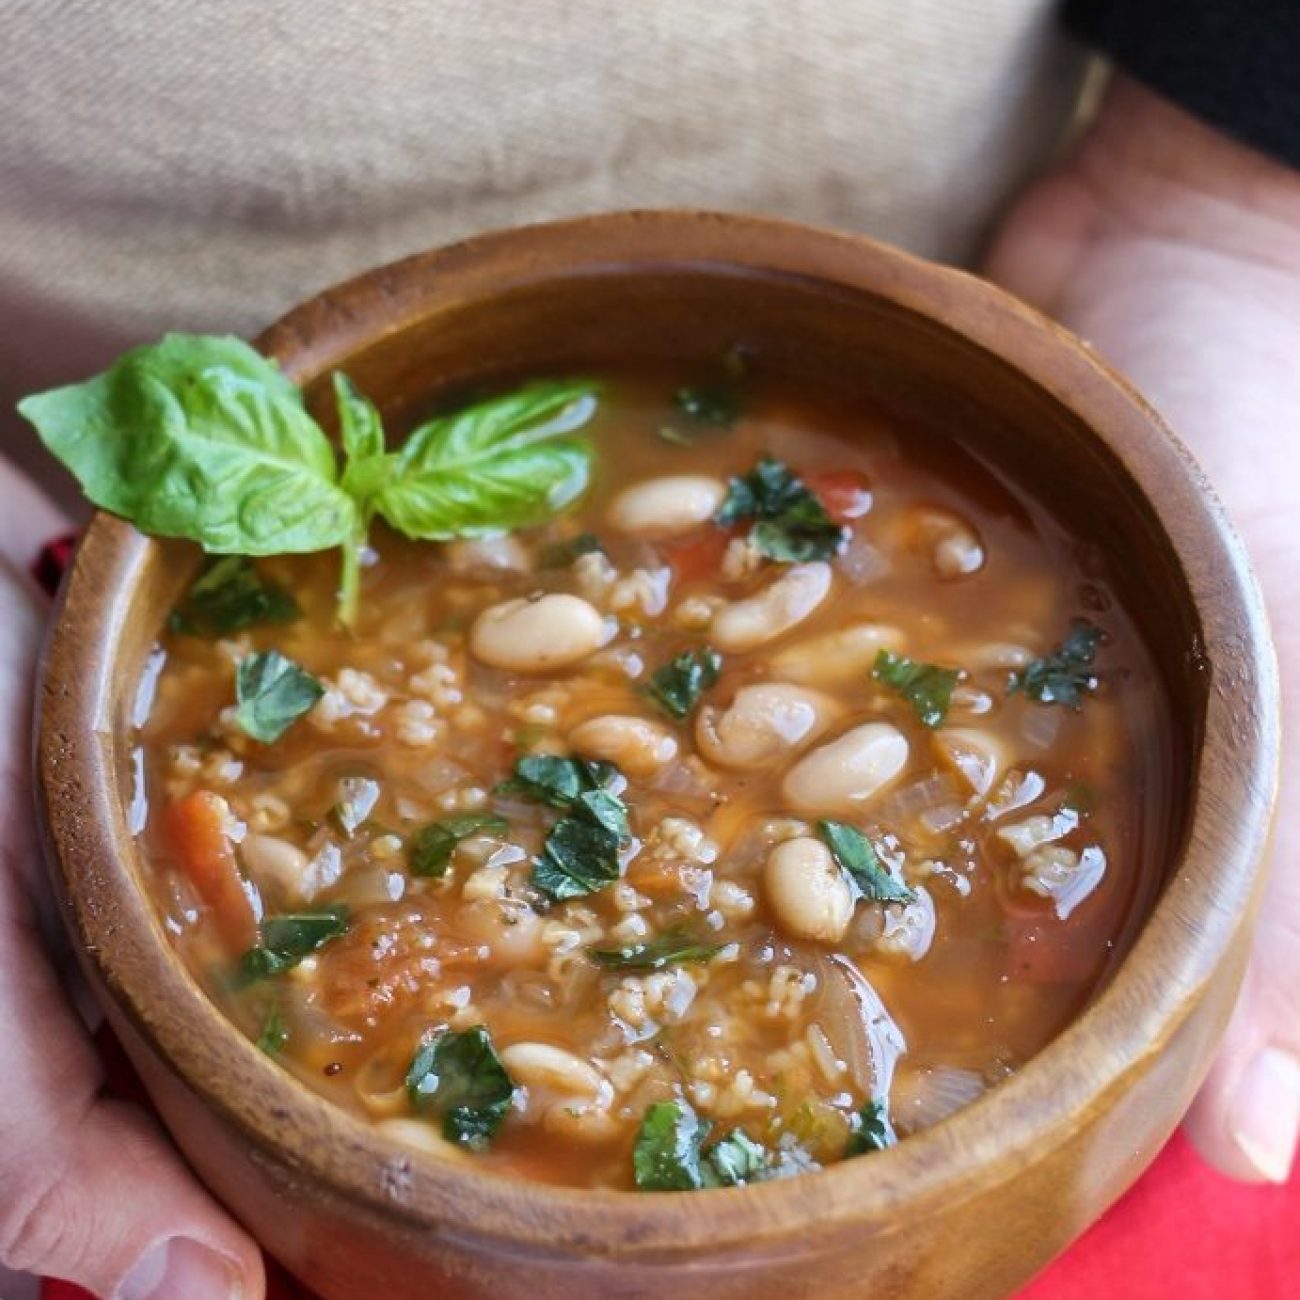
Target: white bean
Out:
[662,507]
[424,1136]
[837,658]
[953,545]
[505,552]
[763,723]
[773,611]
[637,746]
[839,777]
[509,929]
[808,893]
[539,1065]
[537,633]
[274,862]
[978,757]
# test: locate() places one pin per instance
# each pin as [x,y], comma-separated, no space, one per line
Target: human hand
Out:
[90,1190]
[1176,252]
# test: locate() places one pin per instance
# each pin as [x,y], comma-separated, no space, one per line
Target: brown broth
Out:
[773,1036]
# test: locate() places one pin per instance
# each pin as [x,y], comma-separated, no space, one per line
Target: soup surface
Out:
[782,794]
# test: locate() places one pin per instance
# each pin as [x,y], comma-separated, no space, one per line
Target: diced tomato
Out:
[698,555]
[846,493]
[196,829]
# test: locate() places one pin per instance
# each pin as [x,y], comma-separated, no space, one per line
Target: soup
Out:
[784,791]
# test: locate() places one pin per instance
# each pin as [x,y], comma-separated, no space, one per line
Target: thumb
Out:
[1246,1119]
[90,1190]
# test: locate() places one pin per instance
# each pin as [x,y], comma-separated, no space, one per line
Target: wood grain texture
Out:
[968,1209]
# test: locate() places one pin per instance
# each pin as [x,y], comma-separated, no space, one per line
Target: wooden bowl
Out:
[969,1208]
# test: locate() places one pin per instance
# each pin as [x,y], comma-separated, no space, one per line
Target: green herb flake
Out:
[286,940]
[1065,676]
[273,693]
[675,945]
[230,595]
[357,797]
[459,1078]
[734,1160]
[791,524]
[578,858]
[550,779]
[666,1154]
[560,555]
[274,1035]
[678,685]
[859,859]
[926,687]
[431,847]
[714,404]
[872,1129]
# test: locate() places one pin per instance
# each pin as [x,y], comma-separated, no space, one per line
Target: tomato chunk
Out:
[846,493]
[699,555]
[196,830]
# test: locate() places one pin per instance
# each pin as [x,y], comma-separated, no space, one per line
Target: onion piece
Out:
[861,1032]
[924,1096]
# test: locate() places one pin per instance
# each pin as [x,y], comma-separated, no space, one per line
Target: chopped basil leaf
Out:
[791,522]
[358,796]
[926,687]
[230,595]
[557,781]
[459,1078]
[666,1155]
[734,1160]
[273,693]
[559,555]
[274,1035]
[872,1129]
[579,857]
[678,685]
[286,940]
[674,945]
[858,856]
[431,846]
[716,404]
[1066,675]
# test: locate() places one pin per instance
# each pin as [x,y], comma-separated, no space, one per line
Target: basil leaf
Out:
[286,940]
[791,523]
[459,1078]
[578,858]
[872,1129]
[716,404]
[557,781]
[274,1035]
[367,467]
[674,945]
[200,437]
[1066,675]
[505,463]
[358,796]
[666,1154]
[559,555]
[678,685]
[734,1160]
[926,687]
[273,693]
[431,846]
[858,856]
[230,595]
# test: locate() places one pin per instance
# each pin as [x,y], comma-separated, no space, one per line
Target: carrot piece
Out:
[196,829]
[845,493]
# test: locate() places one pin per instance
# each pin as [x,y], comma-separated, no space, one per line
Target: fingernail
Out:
[181,1269]
[1265,1119]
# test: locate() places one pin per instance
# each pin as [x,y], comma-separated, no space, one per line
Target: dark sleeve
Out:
[1233,63]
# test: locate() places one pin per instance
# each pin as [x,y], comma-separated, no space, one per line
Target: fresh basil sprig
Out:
[200,436]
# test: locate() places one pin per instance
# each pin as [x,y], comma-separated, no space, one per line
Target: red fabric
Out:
[1183,1231]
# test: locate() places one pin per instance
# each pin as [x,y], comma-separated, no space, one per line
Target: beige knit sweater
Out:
[205,164]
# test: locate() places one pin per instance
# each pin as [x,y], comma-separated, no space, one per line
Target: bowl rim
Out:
[1209,898]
